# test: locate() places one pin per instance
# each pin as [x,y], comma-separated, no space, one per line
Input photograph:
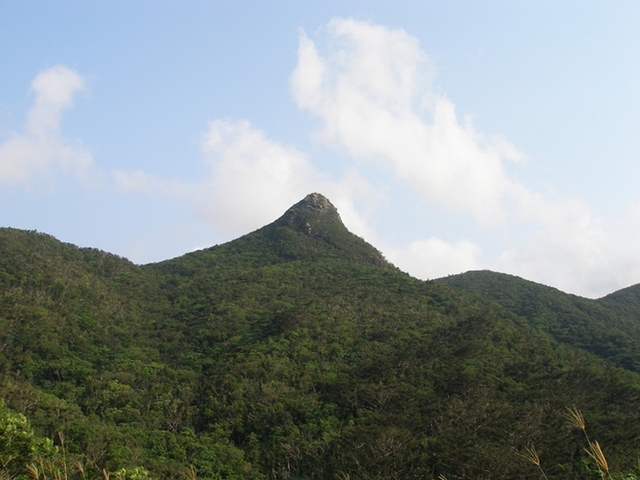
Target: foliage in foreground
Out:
[24,455]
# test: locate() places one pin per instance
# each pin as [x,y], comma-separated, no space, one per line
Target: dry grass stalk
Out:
[64,455]
[530,454]
[575,418]
[597,455]
[80,467]
[32,470]
[5,461]
[189,473]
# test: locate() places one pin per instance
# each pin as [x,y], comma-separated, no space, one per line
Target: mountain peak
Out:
[315,218]
[316,202]
[309,213]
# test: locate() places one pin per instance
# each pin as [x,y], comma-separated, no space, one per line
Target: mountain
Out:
[608,327]
[296,351]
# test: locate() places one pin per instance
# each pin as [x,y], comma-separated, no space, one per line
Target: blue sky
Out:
[451,135]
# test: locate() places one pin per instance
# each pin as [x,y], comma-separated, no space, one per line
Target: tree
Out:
[19,445]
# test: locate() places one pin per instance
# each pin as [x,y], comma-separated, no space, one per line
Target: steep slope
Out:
[608,328]
[297,351]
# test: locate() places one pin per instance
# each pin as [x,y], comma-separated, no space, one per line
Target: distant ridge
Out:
[627,297]
[608,327]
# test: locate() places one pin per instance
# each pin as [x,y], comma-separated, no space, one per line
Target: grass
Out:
[594,451]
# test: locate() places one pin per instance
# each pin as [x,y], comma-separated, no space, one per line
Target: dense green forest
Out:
[299,352]
[608,327]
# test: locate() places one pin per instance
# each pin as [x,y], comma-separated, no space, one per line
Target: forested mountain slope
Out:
[626,301]
[608,328]
[294,352]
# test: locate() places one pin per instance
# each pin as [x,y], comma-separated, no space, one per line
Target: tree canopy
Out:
[298,351]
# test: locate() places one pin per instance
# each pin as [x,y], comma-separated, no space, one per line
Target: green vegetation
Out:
[293,352]
[608,328]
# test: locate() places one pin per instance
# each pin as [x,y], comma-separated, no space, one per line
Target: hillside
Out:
[296,352]
[626,301]
[608,327]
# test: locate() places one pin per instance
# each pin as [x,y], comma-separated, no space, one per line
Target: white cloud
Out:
[573,250]
[253,178]
[434,258]
[251,182]
[41,147]
[371,88]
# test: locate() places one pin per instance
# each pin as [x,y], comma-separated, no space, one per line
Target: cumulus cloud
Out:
[41,146]
[571,249]
[252,180]
[370,85]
